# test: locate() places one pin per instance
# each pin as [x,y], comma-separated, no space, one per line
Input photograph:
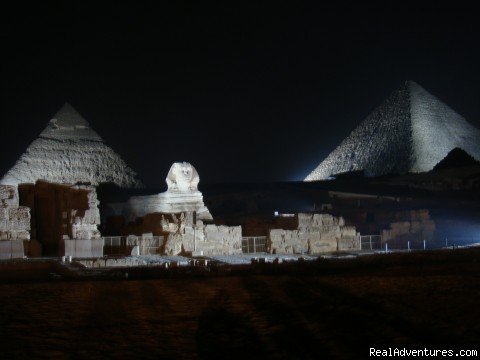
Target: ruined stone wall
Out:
[14,219]
[316,233]
[146,244]
[61,212]
[14,223]
[414,225]
[85,248]
[349,239]
[223,240]
[209,239]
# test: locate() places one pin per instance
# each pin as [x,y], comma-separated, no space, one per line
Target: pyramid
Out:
[455,159]
[68,151]
[410,132]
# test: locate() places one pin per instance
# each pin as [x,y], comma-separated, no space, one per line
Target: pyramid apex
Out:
[412,83]
[67,115]
[68,123]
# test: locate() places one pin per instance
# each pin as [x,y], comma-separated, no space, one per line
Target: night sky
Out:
[246,93]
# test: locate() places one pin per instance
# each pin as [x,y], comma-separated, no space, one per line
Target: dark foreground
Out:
[334,309]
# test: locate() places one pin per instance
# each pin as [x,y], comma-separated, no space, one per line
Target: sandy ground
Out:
[328,308]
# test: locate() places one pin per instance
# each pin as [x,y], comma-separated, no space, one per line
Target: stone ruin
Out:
[65,219]
[14,224]
[413,225]
[184,236]
[315,233]
[182,195]
[178,234]
[85,239]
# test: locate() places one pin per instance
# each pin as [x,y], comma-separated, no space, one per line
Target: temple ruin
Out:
[64,219]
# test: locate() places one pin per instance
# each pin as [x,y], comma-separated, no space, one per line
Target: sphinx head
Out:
[182,177]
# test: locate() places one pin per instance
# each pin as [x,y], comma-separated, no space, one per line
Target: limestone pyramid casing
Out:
[410,132]
[68,151]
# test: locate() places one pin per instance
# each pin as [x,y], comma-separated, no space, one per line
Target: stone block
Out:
[211,240]
[84,248]
[224,240]
[349,231]
[81,234]
[349,243]
[327,242]
[316,233]
[19,218]
[288,241]
[11,249]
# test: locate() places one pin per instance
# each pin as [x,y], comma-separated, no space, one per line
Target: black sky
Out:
[244,92]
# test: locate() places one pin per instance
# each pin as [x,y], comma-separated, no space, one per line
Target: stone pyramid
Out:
[68,151]
[455,159]
[410,132]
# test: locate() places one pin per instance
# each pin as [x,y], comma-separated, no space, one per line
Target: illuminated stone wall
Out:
[414,225]
[316,233]
[209,239]
[14,223]
[61,212]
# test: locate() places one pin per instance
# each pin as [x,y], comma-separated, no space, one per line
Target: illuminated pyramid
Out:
[68,151]
[410,132]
